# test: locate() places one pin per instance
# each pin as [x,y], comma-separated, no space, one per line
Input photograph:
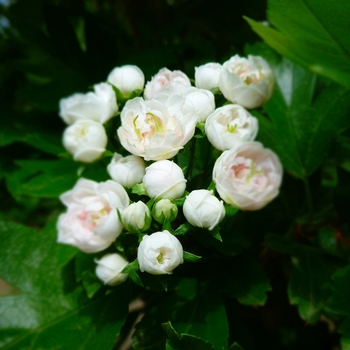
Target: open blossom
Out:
[85,139]
[229,125]
[157,129]
[160,253]
[91,222]
[164,179]
[248,82]
[109,269]
[248,176]
[207,76]
[127,79]
[202,209]
[98,106]
[173,81]
[128,171]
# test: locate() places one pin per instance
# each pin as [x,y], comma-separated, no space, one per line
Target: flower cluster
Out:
[154,128]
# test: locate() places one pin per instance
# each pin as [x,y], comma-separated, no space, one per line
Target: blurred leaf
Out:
[51,305]
[57,177]
[309,286]
[310,34]
[250,290]
[235,346]
[204,316]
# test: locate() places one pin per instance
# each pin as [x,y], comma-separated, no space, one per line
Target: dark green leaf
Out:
[182,229]
[131,267]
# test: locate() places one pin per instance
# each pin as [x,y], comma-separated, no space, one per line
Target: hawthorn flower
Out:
[127,79]
[203,209]
[91,222]
[164,179]
[160,253]
[229,125]
[248,176]
[109,269]
[128,171]
[86,140]
[173,81]
[157,130]
[98,106]
[248,82]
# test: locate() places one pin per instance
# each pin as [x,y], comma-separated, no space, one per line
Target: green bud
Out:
[137,217]
[164,209]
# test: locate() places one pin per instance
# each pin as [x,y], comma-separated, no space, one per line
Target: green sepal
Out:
[216,234]
[163,280]
[167,225]
[136,278]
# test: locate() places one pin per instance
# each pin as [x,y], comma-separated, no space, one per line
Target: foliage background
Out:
[281,279]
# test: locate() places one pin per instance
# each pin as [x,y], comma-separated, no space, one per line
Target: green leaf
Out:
[139,189]
[190,257]
[182,229]
[136,278]
[204,316]
[55,177]
[131,267]
[310,34]
[252,289]
[235,346]
[51,304]
[309,286]
[299,129]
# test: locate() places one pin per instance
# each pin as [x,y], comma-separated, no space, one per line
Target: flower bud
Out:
[137,217]
[248,176]
[173,81]
[164,209]
[128,171]
[86,140]
[248,82]
[207,76]
[109,269]
[229,125]
[202,209]
[203,101]
[127,79]
[164,179]
[98,106]
[160,253]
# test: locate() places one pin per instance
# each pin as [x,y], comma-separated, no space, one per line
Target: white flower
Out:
[164,179]
[229,125]
[128,171]
[91,222]
[174,81]
[127,79]
[207,76]
[202,209]
[98,106]
[109,269]
[157,130]
[159,253]
[248,176]
[85,139]
[203,101]
[137,217]
[164,209]
[248,82]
